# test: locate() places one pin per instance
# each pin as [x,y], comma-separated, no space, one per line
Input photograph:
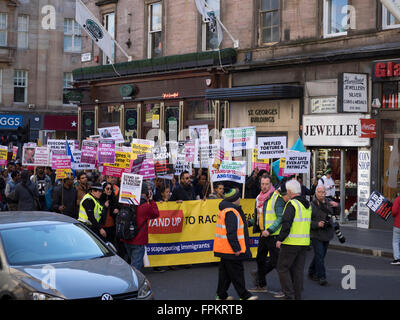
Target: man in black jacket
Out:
[321,234]
[64,198]
[184,191]
[232,252]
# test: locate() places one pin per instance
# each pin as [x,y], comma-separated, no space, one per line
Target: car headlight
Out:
[144,290]
[44,296]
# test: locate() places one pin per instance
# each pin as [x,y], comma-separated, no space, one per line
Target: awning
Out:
[60,123]
[264,92]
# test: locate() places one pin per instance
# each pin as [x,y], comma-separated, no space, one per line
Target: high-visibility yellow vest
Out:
[97,210]
[270,215]
[299,234]
[221,243]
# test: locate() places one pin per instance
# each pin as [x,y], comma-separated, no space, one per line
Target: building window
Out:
[23,28]
[72,36]
[20,86]
[3,29]
[209,31]
[67,84]
[388,20]
[109,25]
[269,21]
[154,46]
[335,18]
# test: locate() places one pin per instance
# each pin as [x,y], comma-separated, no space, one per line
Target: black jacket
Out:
[320,212]
[231,230]
[69,202]
[288,217]
[183,193]
[113,204]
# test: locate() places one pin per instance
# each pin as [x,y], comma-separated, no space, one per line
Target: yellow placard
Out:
[122,160]
[184,232]
[63,173]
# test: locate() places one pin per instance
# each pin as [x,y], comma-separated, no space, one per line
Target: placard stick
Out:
[244,187]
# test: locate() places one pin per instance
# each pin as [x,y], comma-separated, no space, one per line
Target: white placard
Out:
[131,188]
[297,162]
[229,171]
[111,133]
[42,156]
[271,147]
[363,187]
[242,138]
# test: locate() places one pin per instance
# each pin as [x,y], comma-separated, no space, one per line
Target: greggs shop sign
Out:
[386,70]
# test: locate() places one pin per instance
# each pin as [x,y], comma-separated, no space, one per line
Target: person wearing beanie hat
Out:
[231,244]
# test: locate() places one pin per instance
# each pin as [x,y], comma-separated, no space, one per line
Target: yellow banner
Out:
[184,232]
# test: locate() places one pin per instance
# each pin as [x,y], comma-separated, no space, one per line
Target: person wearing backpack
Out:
[146,211]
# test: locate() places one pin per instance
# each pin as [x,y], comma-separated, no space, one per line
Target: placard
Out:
[112,133]
[89,151]
[380,205]
[3,155]
[238,138]
[131,188]
[106,151]
[141,146]
[229,171]
[121,165]
[260,164]
[42,156]
[271,147]
[297,162]
[28,154]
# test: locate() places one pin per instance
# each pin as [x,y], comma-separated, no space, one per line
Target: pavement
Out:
[374,242]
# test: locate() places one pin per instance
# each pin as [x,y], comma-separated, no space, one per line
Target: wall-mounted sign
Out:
[340,130]
[127,90]
[353,92]
[324,105]
[386,70]
[86,57]
[363,187]
[262,114]
[10,121]
[367,128]
[172,95]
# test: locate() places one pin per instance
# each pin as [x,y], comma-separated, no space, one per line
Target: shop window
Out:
[67,85]
[151,110]
[130,124]
[110,114]
[3,29]
[200,110]
[154,47]
[388,20]
[87,124]
[171,122]
[390,177]
[390,95]
[334,16]
[269,21]
[209,29]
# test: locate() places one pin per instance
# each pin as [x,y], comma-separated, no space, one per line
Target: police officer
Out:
[91,211]
[231,244]
[293,241]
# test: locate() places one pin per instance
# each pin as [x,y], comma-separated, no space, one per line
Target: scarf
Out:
[260,200]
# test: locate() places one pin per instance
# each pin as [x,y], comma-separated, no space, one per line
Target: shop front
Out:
[335,142]
[159,100]
[386,104]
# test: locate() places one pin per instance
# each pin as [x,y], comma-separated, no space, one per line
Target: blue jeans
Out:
[317,266]
[136,253]
[396,243]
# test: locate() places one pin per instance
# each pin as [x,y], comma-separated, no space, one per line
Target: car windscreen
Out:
[50,243]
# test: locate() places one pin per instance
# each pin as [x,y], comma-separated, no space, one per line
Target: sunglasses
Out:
[107,189]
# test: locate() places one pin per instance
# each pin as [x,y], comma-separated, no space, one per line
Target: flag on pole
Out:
[94,29]
[209,15]
[69,153]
